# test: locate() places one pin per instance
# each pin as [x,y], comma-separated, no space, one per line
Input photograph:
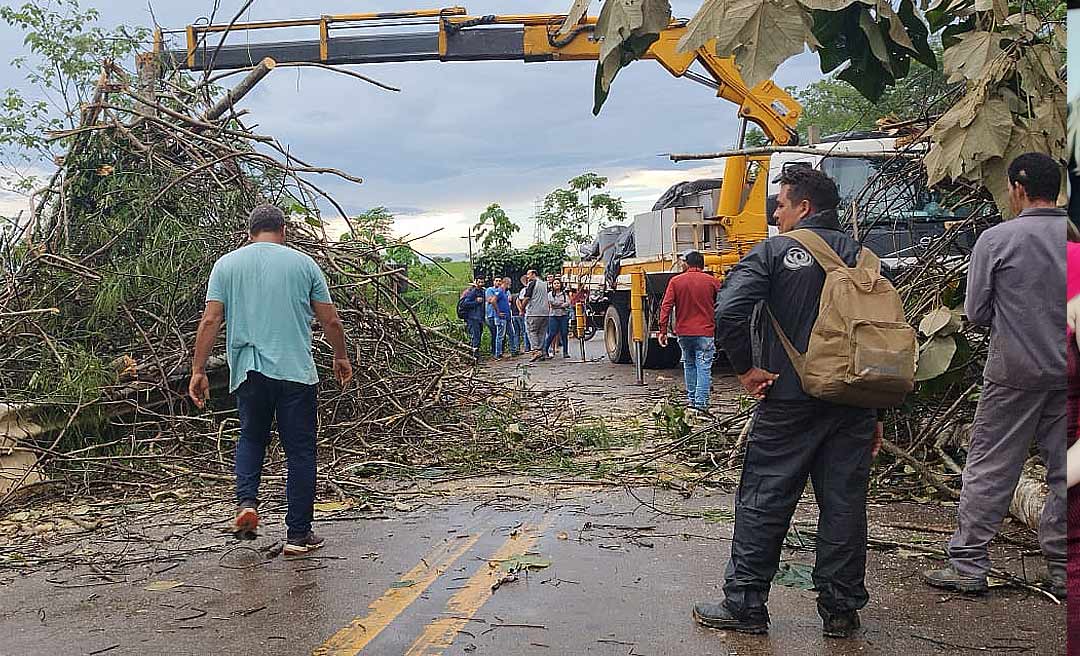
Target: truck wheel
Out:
[617,334]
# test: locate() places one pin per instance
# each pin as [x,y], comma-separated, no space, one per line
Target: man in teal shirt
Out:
[267,294]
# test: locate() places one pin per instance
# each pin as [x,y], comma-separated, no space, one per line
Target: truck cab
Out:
[884,202]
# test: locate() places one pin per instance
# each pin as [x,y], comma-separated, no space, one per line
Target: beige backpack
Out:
[862,351]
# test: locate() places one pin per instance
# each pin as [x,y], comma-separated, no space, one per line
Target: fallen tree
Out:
[103,287]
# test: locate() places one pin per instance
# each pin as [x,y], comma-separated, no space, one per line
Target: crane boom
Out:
[452,35]
[455,36]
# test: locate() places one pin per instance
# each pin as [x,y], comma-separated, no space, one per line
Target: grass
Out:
[437,285]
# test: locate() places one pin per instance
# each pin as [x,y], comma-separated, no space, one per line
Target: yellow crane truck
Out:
[736,222]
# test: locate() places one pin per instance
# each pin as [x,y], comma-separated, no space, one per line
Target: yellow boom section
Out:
[458,36]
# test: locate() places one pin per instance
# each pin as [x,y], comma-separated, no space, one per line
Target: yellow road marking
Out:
[440,634]
[350,640]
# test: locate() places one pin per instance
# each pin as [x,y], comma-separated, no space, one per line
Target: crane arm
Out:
[453,35]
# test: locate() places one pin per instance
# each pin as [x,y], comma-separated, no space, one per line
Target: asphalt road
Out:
[614,571]
[617,578]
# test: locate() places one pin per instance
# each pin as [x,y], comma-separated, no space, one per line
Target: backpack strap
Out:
[869,260]
[798,360]
[819,248]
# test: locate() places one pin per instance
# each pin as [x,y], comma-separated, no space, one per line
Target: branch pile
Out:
[103,289]
[926,440]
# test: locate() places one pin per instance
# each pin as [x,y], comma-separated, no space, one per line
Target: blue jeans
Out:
[558,326]
[500,335]
[475,328]
[512,335]
[519,330]
[258,400]
[697,358]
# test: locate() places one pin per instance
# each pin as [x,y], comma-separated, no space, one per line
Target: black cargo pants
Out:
[789,441]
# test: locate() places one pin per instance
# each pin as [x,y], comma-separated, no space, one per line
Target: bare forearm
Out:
[335,334]
[204,343]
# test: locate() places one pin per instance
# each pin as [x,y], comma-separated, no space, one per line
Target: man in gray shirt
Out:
[1016,286]
[537,311]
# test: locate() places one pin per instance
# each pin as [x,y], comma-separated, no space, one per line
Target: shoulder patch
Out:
[796,258]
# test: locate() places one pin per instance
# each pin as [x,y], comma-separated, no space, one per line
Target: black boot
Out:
[716,615]
[838,624]
[950,579]
[1056,585]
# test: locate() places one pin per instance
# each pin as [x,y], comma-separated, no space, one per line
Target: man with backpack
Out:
[1016,286]
[820,378]
[471,307]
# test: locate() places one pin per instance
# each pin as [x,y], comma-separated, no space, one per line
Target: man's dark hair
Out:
[805,183]
[1039,175]
[695,260]
[265,218]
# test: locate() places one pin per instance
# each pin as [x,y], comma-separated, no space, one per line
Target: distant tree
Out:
[570,218]
[495,229]
[375,227]
[835,107]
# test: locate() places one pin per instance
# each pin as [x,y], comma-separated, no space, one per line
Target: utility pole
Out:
[469,237]
[538,230]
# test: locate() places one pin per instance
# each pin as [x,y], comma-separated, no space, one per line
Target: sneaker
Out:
[566,356]
[838,625]
[246,521]
[716,615]
[539,356]
[300,546]
[950,579]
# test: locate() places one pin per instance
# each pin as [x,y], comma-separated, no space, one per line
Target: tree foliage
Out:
[495,229]
[570,213]
[545,258]
[375,226]
[1007,56]
[66,49]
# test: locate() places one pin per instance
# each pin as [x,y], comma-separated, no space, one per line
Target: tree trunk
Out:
[247,84]
[1030,495]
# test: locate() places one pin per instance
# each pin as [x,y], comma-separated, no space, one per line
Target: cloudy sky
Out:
[460,136]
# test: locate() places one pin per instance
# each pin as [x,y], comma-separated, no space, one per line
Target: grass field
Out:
[440,291]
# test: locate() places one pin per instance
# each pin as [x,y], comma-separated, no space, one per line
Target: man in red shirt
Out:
[693,292]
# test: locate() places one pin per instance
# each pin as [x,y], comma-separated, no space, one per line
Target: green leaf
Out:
[941,321]
[896,28]
[404,583]
[919,33]
[935,357]
[759,34]
[873,34]
[795,575]
[525,562]
[968,59]
[867,74]
[627,29]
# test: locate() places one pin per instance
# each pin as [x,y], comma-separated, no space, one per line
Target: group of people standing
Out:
[533,320]
[1016,282]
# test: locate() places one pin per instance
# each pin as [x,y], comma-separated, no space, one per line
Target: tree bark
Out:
[240,90]
[1029,499]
